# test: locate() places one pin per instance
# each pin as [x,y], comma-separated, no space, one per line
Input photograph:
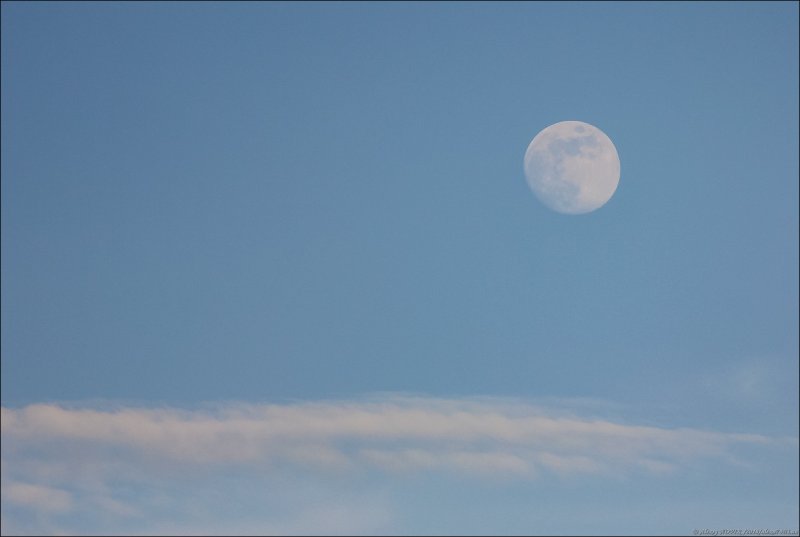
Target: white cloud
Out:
[476,463]
[37,497]
[57,459]
[325,434]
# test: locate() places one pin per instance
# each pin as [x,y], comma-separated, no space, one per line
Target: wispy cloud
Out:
[340,434]
[37,497]
[58,458]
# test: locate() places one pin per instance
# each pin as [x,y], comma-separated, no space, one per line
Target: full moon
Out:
[572,167]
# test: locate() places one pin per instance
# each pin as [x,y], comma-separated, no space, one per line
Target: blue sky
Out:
[271,207]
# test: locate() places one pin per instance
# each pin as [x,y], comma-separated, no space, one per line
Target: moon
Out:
[572,167]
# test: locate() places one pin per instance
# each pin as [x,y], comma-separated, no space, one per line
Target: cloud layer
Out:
[54,455]
[485,436]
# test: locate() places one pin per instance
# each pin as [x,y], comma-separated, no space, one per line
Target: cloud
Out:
[484,464]
[37,497]
[338,435]
[128,462]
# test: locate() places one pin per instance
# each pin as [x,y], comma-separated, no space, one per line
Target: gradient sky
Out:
[227,209]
